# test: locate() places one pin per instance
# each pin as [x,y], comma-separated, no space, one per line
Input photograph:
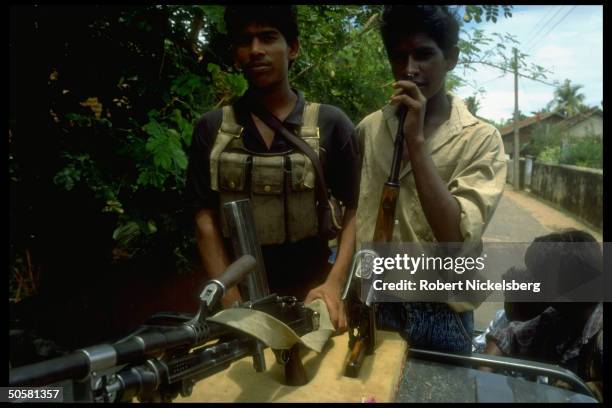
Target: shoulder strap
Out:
[310,120]
[228,131]
[229,123]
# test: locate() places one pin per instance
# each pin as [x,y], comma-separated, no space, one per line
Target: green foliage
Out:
[473,104]
[568,101]
[543,137]
[342,59]
[491,13]
[586,151]
[550,155]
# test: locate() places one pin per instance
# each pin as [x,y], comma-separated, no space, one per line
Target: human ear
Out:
[452,56]
[294,49]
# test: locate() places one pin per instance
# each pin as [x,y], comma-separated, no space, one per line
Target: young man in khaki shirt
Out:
[453,168]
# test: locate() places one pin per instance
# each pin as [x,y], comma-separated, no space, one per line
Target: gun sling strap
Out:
[274,333]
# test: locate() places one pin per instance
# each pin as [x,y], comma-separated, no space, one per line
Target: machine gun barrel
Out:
[133,350]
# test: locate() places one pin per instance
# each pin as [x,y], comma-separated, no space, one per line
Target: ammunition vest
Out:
[280,185]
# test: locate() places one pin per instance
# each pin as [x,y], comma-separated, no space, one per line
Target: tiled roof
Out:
[527,122]
[574,120]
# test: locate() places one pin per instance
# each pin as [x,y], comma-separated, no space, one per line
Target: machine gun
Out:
[358,293]
[159,362]
[171,352]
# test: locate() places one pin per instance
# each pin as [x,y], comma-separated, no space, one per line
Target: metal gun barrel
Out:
[133,349]
[239,216]
[74,365]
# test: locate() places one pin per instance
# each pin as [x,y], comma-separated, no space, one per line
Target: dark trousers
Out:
[432,326]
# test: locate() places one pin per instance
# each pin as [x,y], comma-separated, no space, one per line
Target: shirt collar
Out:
[296,115]
[294,118]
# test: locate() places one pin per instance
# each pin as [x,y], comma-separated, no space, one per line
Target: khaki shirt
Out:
[469,155]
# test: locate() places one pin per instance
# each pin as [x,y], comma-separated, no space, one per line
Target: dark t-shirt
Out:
[290,266]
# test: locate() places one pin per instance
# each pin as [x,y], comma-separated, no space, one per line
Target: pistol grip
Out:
[295,374]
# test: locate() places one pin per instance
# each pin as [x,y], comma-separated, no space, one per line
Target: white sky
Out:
[568,40]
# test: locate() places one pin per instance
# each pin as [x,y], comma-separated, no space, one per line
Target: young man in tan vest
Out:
[236,155]
[453,167]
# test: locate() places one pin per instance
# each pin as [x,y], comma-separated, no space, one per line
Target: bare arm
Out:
[346,250]
[212,250]
[439,206]
[330,291]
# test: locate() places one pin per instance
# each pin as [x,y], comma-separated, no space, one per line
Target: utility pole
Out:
[516,161]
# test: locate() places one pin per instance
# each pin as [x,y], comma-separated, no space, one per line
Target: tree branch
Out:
[367,27]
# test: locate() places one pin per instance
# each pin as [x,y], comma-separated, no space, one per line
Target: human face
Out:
[263,54]
[418,55]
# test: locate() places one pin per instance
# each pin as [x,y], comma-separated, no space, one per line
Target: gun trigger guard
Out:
[282,356]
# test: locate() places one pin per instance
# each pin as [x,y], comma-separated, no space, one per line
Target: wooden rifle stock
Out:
[386,213]
[355,358]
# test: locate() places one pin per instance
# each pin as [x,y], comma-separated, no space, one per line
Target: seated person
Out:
[569,334]
[513,310]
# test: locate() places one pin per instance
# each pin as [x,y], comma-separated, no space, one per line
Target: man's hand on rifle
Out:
[330,292]
[408,94]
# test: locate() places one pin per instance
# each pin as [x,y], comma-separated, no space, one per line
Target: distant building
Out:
[582,124]
[526,128]
[589,122]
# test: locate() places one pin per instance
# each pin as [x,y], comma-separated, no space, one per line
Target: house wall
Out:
[578,190]
[525,133]
[593,125]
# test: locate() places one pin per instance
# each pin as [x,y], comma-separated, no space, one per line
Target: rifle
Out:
[158,362]
[360,306]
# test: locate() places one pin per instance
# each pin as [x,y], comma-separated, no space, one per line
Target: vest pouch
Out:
[233,175]
[267,198]
[233,171]
[302,215]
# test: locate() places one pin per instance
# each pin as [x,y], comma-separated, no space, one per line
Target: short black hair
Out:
[283,18]
[535,258]
[573,255]
[438,22]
